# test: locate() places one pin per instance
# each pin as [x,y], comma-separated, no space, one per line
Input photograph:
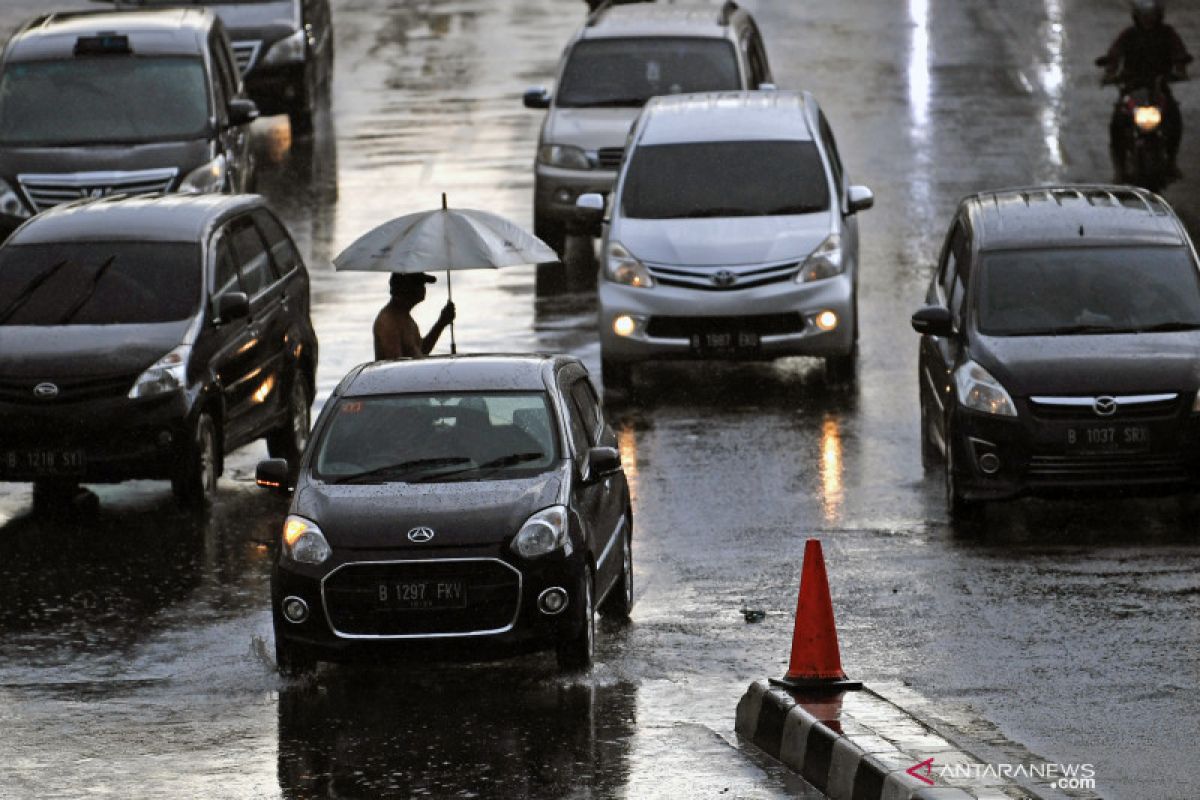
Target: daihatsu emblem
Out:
[724,278]
[420,535]
[1104,406]
[45,391]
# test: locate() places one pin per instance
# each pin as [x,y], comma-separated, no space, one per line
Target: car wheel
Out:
[575,654]
[195,483]
[554,234]
[616,375]
[841,369]
[289,439]
[51,496]
[931,457]
[293,661]
[619,603]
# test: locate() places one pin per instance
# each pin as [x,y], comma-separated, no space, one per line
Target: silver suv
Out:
[733,235]
[621,58]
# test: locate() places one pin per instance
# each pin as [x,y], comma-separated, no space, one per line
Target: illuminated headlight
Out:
[303,541]
[563,155]
[542,533]
[168,374]
[287,51]
[206,179]
[10,202]
[979,391]
[621,267]
[825,261]
[1147,118]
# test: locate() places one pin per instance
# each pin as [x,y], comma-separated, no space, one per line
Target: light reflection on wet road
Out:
[133,660]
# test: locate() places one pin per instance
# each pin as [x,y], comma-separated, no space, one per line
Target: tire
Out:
[842,369]
[52,496]
[616,375]
[552,233]
[195,483]
[293,661]
[619,603]
[931,457]
[289,439]
[576,653]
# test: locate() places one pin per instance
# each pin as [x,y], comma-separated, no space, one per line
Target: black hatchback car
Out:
[147,337]
[1061,347]
[476,501]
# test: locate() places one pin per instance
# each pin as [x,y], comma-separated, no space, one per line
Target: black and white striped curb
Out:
[858,746]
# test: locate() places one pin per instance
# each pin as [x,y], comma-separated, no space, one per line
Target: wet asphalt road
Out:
[134,657]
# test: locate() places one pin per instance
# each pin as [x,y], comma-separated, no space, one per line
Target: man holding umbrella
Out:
[396,333]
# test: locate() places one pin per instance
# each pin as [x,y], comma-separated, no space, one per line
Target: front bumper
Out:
[555,191]
[781,315]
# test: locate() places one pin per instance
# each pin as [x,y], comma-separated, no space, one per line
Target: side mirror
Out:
[231,306]
[603,461]
[933,321]
[537,97]
[242,112]
[274,474]
[860,199]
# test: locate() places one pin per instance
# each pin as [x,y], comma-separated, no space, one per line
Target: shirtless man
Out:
[396,334]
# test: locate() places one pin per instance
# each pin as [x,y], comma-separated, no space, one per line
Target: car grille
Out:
[492,590]
[246,52]
[48,191]
[1129,407]
[1108,468]
[723,279]
[762,324]
[20,391]
[609,157]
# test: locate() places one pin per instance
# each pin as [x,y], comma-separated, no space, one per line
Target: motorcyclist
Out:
[1148,53]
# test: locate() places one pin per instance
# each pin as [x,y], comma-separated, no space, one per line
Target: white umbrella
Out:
[444,239]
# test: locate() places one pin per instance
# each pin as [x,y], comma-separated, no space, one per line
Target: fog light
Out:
[989,463]
[165,439]
[564,196]
[827,320]
[624,325]
[295,609]
[552,601]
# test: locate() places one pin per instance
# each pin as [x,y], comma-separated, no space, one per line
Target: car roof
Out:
[474,373]
[727,116]
[155,218]
[160,32]
[1079,215]
[658,19]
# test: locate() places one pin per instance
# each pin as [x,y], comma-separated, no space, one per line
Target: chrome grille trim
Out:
[702,278]
[246,52]
[1121,400]
[45,191]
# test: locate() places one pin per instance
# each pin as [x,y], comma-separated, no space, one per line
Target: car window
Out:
[628,72]
[283,253]
[754,77]
[587,406]
[225,274]
[228,75]
[251,253]
[948,271]
[758,58]
[835,160]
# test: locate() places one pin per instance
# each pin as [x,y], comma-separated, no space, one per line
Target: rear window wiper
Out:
[403,467]
[29,291]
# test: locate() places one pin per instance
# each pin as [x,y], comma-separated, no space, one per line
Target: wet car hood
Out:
[185,155]
[1092,365]
[732,241]
[83,351]
[461,513]
[589,128]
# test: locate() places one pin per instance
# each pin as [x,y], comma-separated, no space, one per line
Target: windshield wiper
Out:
[1166,327]
[83,301]
[702,213]
[403,467]
[1068,330]
[496,463]
[789,210]
[612,102]
[29,291]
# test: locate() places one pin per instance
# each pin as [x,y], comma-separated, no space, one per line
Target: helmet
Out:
[1149,12]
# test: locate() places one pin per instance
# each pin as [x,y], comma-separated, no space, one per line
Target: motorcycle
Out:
[1139,147]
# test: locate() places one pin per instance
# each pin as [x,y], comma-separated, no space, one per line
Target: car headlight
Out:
[206,179]
[542,533]
[825,262]
[168,374]
[303,541]
[621,267]
[979,391]
[11,203]
[563,155]
[1147,118]
[291,50]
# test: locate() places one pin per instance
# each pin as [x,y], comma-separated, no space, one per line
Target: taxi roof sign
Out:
[104,44]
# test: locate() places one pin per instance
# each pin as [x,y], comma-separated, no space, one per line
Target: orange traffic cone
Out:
[816,663]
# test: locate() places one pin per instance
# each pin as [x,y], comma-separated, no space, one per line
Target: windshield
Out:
[99,283]
[437,437]
[628,72]
[1088,290]
[724,179]
[116,99]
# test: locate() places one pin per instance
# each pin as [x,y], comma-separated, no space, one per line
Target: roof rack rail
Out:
[727,11]
[604,5]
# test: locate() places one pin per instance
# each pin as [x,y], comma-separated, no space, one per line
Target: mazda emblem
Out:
[420,535]
[724,278]
[1104,406]
[45,391]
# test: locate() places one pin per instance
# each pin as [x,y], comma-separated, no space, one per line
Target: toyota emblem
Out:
[724,278]
[45,391]
[1104,406]
[420,535]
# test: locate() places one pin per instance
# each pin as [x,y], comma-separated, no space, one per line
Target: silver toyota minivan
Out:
[733,235]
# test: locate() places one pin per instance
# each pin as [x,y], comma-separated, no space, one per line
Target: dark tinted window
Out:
[226,275]
[725,179]
[252,258]
[1085,290]
[98,283]
[588,407]
[111,99]
[628,72]
[282,250]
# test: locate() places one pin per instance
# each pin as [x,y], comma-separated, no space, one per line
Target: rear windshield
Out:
[725,179]
[1088,290]
[99,283]
[628,72]
[115,99]
[430,438]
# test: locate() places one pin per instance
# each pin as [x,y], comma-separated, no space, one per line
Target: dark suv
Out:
[100,103]
[1061,347]
[146,338]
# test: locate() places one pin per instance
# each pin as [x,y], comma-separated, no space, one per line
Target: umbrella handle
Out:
[450,299]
